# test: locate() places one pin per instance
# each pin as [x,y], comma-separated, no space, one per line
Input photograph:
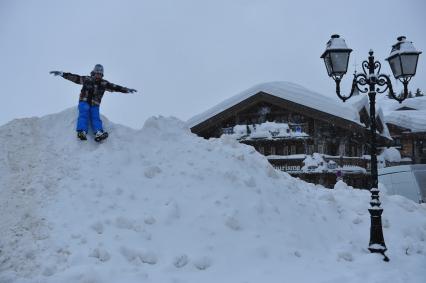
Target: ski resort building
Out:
[304,133]
[407,126]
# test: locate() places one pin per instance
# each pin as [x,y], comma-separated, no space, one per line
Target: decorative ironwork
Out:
[371,77]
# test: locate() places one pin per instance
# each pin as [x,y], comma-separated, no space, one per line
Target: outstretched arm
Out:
[69,76]
[118,88]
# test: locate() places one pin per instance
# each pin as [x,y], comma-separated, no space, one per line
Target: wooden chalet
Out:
[304,133]
[407,126]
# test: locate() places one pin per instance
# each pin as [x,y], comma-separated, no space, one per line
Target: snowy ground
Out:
[162,205]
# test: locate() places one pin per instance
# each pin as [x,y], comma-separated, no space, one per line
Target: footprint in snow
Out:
[150,220]
[101,254]
[129,254]
[98,227]
[148,257]
[136,256]
[233,223]
[152,171]
[345,256]
[124,223]
[203,263]
[180,261]
[49,271]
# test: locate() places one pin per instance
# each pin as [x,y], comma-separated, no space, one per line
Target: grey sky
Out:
[186,56]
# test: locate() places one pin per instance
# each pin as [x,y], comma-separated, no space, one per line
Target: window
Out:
[273,150]
[297,118]
[342,149]
[310,148]
[422,146]
[285,150]
[293,149]
[321,148]
[396,141]
[228,130]
[264,110]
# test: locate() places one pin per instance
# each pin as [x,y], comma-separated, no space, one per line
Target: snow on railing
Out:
[319,163]
[267,130]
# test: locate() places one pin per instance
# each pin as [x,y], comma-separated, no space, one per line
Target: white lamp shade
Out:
[336,56]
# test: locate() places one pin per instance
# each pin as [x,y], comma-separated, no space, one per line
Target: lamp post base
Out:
[375,248]
[377,242]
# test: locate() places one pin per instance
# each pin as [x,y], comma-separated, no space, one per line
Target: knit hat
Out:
[98,69]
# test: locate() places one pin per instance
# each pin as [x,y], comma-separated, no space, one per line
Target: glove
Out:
[131,90]
[56,73]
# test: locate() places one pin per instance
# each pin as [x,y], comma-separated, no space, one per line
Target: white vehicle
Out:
[405,180]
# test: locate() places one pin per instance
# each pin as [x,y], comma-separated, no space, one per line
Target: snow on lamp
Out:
[403,59]
[336,56]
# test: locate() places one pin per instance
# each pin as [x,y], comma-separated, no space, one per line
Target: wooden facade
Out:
[412,146]
[309,131]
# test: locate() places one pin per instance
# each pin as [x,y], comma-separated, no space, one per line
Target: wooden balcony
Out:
[353,170]
[293,164]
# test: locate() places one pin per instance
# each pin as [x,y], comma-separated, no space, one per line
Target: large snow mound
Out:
[163,205]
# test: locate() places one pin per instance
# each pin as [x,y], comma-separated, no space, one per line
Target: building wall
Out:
[330,136]
[412,145]
[323,137]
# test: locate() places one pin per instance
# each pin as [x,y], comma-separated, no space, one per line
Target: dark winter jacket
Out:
[93,90]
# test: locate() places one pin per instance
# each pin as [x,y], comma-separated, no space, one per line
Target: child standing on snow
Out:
[94,87]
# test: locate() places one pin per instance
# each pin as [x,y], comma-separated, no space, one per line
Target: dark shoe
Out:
[100,135]
[82,135]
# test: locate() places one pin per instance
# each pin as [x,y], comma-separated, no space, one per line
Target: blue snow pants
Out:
[86,113]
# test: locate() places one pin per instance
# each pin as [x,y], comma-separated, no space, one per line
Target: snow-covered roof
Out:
[385,131]
[288,91]
[417,103]
[359,102]
[415,120]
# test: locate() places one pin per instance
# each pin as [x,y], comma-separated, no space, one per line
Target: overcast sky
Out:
[185,56]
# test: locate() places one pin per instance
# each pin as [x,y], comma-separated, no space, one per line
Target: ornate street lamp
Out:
[336,57]
[403,61]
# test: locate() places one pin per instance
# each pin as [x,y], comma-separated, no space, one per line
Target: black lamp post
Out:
[403,62]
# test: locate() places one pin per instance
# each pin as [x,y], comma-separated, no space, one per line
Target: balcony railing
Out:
[268,130]
[294,164]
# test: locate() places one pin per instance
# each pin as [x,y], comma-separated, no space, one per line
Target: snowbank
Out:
[162,205]
[391,154]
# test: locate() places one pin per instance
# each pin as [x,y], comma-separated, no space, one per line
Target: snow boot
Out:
[100,136]
[82,135]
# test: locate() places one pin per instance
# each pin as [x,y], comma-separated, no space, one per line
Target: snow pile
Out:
[391,154]
[340,185]
[315,163]
[162,205]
